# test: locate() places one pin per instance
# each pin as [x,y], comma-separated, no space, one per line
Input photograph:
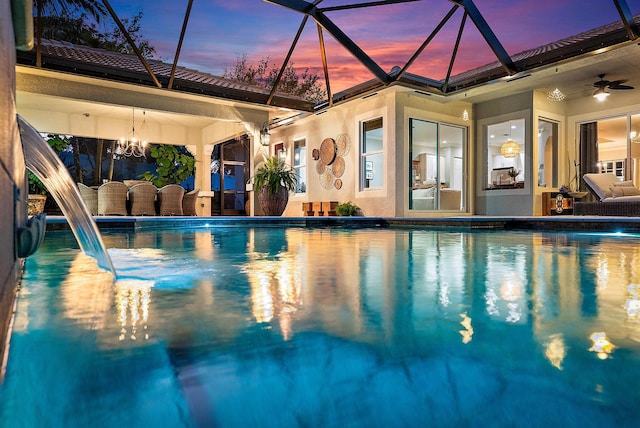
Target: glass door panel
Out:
[437,179]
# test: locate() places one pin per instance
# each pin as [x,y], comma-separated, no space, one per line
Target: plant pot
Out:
[273,204]
[36,204]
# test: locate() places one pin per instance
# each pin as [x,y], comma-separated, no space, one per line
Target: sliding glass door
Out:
[438,163]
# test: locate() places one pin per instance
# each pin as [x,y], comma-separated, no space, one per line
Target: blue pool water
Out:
[235,327]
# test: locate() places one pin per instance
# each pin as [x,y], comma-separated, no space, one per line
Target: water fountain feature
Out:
[45,164]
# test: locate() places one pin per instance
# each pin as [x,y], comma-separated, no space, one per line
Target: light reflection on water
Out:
[331,327]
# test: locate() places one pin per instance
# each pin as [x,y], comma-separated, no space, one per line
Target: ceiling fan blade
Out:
[618,85]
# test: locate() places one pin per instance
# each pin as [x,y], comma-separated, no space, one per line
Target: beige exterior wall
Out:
[12,179]
[507,201]
[396,106]
[345,119]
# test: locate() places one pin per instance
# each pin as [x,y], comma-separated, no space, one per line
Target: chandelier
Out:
[133,144]
[510,149]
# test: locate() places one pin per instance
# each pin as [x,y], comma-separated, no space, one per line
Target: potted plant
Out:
[37,194]
[272,183]
[37,190]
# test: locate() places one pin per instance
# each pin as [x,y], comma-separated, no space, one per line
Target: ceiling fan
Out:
[602,85]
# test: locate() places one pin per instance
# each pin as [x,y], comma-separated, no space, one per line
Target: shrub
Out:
[347,209]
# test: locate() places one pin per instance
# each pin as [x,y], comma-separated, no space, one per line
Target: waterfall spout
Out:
[45,164]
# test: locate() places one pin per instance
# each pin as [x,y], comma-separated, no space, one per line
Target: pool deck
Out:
[550,223]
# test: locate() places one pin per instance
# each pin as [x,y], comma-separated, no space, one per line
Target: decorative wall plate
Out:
[343,143]
[338,166]
[326,179]
[338,184]
[320,167]
[328,151]
[315,154]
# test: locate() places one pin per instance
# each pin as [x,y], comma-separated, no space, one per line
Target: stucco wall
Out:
[395,107]
[503,202]
[12,174]
[345,119]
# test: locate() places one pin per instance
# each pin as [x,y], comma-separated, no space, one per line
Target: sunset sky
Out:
[220,31]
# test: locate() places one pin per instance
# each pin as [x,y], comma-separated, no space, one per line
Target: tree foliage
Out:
[58,143]
[306,84]
[94,8]
[81,29]
[174,165]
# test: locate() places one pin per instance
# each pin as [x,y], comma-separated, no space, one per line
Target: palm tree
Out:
[93,8]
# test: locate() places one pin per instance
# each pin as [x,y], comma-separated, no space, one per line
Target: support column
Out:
[13,189]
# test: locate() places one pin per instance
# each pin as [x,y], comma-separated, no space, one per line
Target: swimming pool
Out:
[292,327]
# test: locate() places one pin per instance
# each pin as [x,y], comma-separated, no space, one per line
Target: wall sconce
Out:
[556,95]
[265,137]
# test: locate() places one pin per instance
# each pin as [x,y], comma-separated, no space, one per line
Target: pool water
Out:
[269,327]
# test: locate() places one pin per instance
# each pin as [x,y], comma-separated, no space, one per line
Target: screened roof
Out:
[388,32]
[442,46]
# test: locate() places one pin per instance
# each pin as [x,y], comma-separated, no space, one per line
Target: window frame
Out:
[366,167]
[303,164]
[482,166]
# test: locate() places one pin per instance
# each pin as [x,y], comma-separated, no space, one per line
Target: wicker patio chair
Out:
[189,202]
[170,199]
[90,198]
[112,198]
[142,199]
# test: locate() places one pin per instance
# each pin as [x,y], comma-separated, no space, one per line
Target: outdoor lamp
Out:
[265,137]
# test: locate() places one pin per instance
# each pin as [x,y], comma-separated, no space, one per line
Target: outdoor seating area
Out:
[138,198]
[613,197]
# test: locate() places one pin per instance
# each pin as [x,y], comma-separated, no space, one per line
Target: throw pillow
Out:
[618,191]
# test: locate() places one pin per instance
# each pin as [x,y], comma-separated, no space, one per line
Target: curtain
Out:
[588,150]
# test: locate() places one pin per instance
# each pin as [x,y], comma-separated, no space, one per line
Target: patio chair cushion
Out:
[618,191]
[600,184]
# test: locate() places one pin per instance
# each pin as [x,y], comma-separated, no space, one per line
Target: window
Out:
[372,154]
[547,153]
[300,164]
[610,145]
[505,155]
[437,166]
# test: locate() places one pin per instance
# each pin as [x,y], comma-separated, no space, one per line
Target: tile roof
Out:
[85,60]
[551,53]
[569,47]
